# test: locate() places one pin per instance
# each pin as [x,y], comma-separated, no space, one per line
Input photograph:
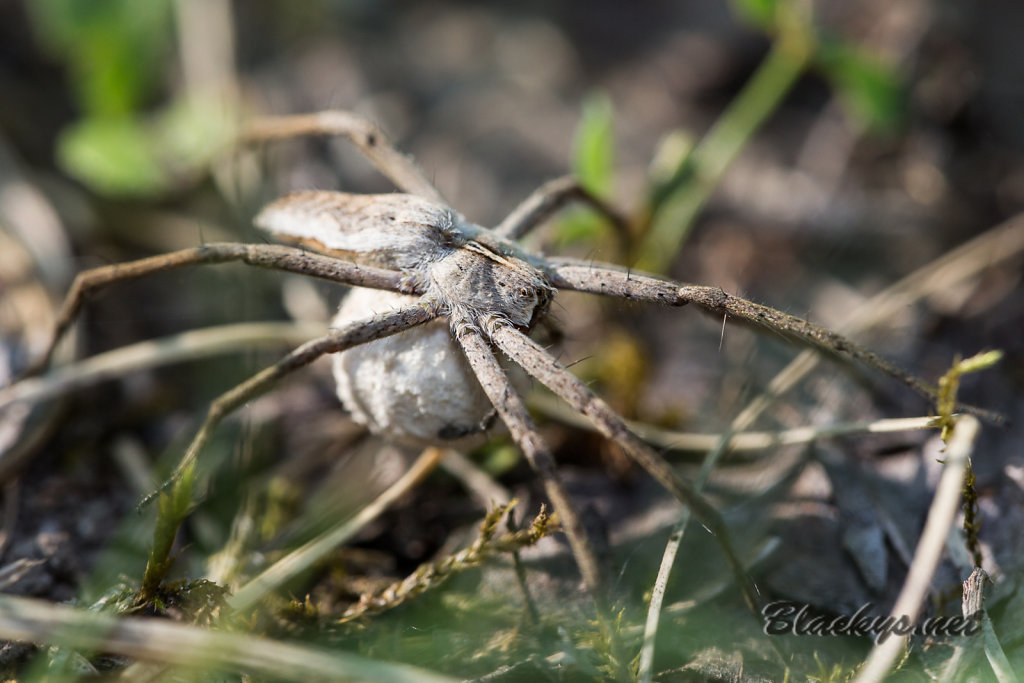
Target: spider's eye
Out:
[524,292]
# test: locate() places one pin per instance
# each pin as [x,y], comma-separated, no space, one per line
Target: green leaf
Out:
[871,89]
[594,145]
[760,13]
[113,49]
[135,157]
[593,164]
[114,156]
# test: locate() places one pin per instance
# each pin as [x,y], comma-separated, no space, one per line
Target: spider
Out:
[489,290]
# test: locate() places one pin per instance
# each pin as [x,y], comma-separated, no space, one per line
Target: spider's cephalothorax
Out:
[416,388]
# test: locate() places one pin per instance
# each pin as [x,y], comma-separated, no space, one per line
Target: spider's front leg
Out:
[544,368]
[512,410]
[513,413]
[609,280]
[274,257]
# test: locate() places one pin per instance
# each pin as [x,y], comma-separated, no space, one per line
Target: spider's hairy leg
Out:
[513,413]
[371,141]
[598,278]
[512,410]
[273,257]
[542,366]
[170,516]
[549,198]
[340,339]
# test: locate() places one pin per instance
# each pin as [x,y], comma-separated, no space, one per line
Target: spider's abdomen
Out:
[414,387]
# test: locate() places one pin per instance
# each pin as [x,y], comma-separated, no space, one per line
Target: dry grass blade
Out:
[741,441]
[15,571]
[926,558]
[177,348]
[160,640]
[302,558]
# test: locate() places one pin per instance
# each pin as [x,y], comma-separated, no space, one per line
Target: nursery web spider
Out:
[492,293]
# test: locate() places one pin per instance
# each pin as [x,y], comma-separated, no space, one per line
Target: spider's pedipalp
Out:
[476,280]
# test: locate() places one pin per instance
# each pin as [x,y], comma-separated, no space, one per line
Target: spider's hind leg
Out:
[551,197]
[368,137]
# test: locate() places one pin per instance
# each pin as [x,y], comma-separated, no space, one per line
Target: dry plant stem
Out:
[11,573]
[740,441]
[941,515]
[513,413]
[371,141]
[605,279]
[551,197]
[477,482]
[274,257]
[549,372]
[300,559]
[160,640]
